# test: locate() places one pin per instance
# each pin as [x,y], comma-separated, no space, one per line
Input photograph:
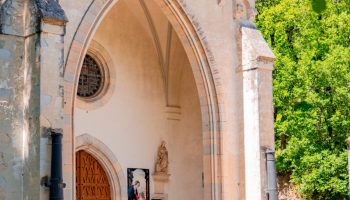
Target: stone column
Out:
[51,43]
[19,101]
[257,66]
[51,96]
[30,66]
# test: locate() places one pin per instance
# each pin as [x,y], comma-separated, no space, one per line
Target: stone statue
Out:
[162,160]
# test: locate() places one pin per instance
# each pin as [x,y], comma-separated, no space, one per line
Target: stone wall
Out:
[19,118]
[210,34]
[24,47]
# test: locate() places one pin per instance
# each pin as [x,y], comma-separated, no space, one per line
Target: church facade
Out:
[134,99]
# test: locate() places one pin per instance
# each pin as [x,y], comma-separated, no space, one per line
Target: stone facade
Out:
[209,73]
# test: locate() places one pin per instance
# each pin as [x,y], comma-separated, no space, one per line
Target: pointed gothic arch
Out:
[207,79]
[108,162]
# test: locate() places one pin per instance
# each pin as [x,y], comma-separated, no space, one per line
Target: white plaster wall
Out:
[187,145]
[133,122]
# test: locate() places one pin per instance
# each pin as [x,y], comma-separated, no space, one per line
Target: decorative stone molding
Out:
[159,197]
[108,161]
[173,113]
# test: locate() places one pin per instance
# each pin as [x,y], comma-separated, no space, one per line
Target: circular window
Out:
[97,78]
[91,79]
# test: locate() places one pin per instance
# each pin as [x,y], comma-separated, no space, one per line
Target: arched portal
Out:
[201,65]
[92,181]
[105,157]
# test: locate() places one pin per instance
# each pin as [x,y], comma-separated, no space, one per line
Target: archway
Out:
[108,162]
[92,181]
[197,54]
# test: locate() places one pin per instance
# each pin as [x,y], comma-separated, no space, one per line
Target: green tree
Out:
[311,91]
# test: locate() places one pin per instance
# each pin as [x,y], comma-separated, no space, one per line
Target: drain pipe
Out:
[55,183]
[271,175]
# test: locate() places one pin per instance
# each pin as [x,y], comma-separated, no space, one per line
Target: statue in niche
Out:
[162,160]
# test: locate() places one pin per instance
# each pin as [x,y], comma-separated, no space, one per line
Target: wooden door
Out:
[91,179]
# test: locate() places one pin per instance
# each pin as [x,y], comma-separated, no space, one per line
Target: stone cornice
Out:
[258,53]
[51,12]
[23,18]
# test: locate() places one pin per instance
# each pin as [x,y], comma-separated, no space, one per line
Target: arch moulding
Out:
[107,160]
[203,67]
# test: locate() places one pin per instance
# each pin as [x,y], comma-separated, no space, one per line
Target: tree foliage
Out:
[311,91]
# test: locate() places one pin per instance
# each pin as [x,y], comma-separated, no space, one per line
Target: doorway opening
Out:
[91,179]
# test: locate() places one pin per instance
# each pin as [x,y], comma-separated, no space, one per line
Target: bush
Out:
[311,91]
